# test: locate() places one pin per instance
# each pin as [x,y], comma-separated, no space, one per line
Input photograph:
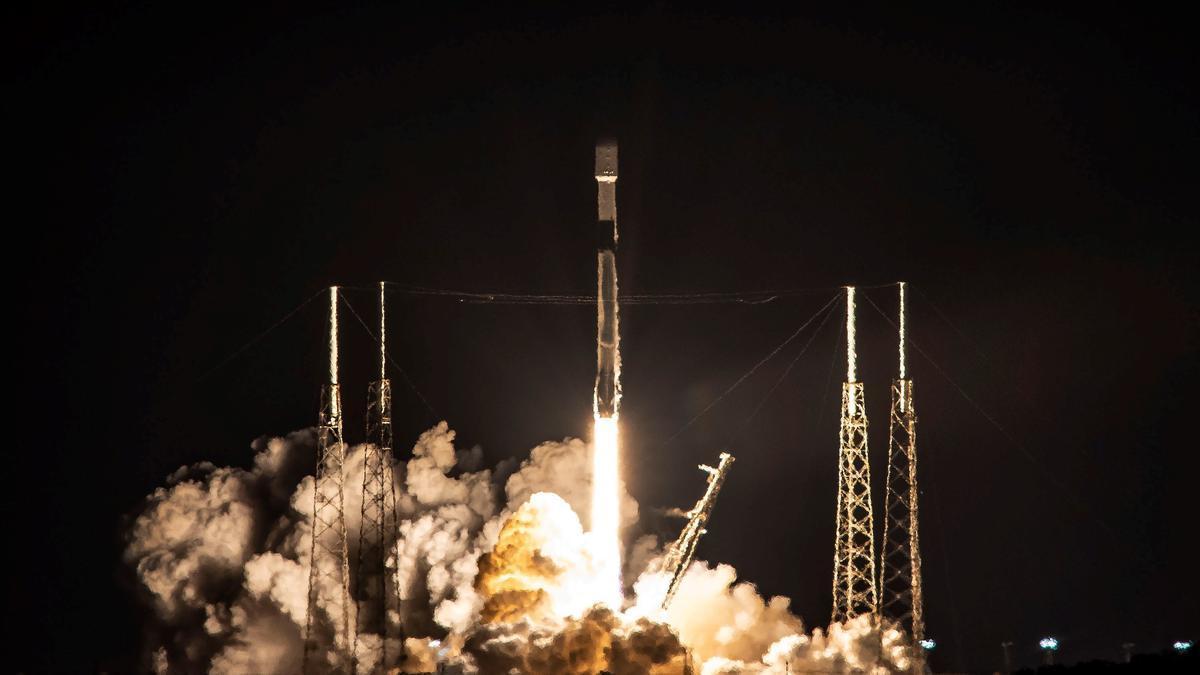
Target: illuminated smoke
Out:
[492,577]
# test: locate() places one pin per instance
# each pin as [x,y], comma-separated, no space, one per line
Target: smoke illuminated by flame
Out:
[606,512]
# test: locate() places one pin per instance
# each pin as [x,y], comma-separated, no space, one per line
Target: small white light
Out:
[1049,643]
[927,644]
[1182,646]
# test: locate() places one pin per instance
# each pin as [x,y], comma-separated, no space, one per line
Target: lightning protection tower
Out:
[900,563]
[375,586]
[329,573]
[854,587]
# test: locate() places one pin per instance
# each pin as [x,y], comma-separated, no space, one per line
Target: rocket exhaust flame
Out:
[606,512]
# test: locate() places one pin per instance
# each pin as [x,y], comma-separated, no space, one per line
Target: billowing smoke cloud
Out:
[492,569]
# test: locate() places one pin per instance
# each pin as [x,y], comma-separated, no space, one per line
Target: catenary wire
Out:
[254,340]
[390,360]
[751,371]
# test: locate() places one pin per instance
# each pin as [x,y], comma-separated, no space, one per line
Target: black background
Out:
[187,177]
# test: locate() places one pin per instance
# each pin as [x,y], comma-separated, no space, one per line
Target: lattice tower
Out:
[376,593]
[854,585]
[900,590]
[329,573]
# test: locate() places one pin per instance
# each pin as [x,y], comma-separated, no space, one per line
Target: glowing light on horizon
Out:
[1049,643]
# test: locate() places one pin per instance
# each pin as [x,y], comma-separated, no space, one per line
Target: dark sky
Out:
[186,178]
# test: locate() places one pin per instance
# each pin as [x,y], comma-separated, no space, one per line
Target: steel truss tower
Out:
[900,563]
[376,593]
[854,587]
[329,572]
[679,555]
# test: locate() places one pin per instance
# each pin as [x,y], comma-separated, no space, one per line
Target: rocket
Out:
[608,356]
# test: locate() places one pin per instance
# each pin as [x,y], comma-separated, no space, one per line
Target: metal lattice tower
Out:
[680,554]
[329,572]
[376,593]
[854,588]
[900,563]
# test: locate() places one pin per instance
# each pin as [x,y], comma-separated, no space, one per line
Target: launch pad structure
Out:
[900,590]
[679,554]
[329,569]
[376,593]
[854,586]
[356,610]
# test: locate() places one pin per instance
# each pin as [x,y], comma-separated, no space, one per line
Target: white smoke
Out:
[222,555]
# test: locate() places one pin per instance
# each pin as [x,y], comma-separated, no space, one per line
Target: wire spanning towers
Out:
[854,587]
[900,563]
[375,588]
[329,571]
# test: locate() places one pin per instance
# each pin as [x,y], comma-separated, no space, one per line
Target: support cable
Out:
[791,365]
[500,297]
[1049,475]
[238,352]
[752,370]
[392,361]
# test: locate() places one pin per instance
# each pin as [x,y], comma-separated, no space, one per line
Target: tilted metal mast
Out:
[854,588]
[329,572]
[680,553]
[375,590]
[900,563]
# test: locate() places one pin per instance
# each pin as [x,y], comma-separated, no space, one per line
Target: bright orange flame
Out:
[606,512]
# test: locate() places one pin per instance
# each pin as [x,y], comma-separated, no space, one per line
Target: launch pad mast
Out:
[900,590]
[680,553]
[379,534]
[854,581]
[329,570]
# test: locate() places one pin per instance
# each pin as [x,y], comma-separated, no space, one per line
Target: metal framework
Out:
[679,555]
[329,573]
[900,590]
[376,594]
[854,587]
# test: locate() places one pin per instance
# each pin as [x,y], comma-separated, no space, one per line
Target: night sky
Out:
[187,178]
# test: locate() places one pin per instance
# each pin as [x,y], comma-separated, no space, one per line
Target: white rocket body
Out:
[608,356]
